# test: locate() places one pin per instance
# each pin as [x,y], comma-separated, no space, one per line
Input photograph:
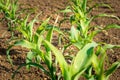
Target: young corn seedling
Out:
[34,42]
[85,61]
[9,9]
[82,34]
[79,64]
[98,63]
[81,31]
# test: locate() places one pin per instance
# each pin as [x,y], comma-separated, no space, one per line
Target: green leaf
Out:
[8,54]
[112,26]
[57,53]
[78,44]
[25,43]
[93,34]
[31,64]
[42,27]
[39,41]
[98,5]
[84,5]
[110,46]
[95,63]
[74,34]
[30,55]
[103,15]
[30,28]
[49,34]
[24,22]
[29,58]
[112,69]
[58,30]
[67,10]
[63,65]
[83,59]
[24,33]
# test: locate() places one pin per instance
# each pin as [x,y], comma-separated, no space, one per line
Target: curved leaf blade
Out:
[25,43]
[112,26]
[63,64]
[112,69]
[83,59]
[32,64]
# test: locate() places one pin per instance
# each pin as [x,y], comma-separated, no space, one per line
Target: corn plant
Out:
[9,8]
[34,42]
[78,65]
[98,63]
[81,29]
[82,34]
[84,61]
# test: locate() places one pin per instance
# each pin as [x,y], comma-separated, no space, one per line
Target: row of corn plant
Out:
[87,62]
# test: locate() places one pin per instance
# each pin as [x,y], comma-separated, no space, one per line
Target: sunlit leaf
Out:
[99,5]
[63,65]
[25,43]
[112,26]
[42,27]
[112,69]
[103,15]
[83,59]
[110,46]
[74,34]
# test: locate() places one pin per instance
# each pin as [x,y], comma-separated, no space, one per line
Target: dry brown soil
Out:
[50,8]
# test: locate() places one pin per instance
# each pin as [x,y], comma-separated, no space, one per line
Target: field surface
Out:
[51,8]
